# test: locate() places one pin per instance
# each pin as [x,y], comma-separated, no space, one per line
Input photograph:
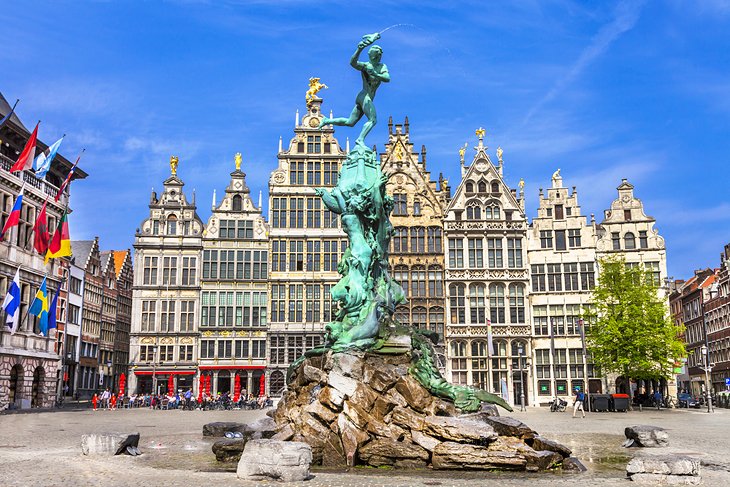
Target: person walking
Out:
[94,401]
[657,399]
[579,398]
[105,396]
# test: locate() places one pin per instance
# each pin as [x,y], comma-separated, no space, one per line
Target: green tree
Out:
[631,332]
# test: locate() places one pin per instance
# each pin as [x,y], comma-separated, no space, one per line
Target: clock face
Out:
[313,122]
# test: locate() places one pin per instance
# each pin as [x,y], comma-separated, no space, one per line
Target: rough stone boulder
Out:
[356,408]
[288,461]
[108,443]
[573,465]
[646,436]
[667,469]
[229,449]
[219,428]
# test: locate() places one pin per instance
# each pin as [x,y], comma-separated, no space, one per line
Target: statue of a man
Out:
[373,73]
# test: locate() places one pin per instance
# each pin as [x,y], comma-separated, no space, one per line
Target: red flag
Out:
[25,161]
[41,236]
[68,178]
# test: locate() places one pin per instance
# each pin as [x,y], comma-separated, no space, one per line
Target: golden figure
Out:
[174,161]
[556,175]
[238,159]
[522,185]
[499,154]
[480,133]
[462,151]
[314,87]
[398,152]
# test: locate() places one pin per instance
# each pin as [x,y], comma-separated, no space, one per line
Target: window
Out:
[226,264]
[278,256]
[146,352]
[559,212]
[278,213]
[418,283]
[469,187]
[207,349]
[458,362]
[169,271]
[330,255]
[476,256]
[653,267]
[434,240]
[571,276]
[172,225]
[457,303]
[296,302]
[244,229]
[189,271]
[296,255]
[156,227]
[258,348]
[296,170]
[167,316]
[314,255]
[225,348]
[456,253]
[540,320]
[473,212]
[314,212]
[296,213]
[418,237]
[538,278]
[587,276]
[313,304]
[496,303]
[560,240]
[491,212]
[435,282]
[401,276]
[616,240]
[237,202]
[149,314]
[241,349]
[629,241]
[74,314]
[482,187]
[416,208]
[187,315]
[314,173]
[75,284]
[574,238]
[331,171]
[516,303]
[546,239]
[167,353]
[643,240]
[479,364]
[514,253]
[495,187]
[186,353]
[227,229]
[400,205]
[627,215]
[278,302]
[400,240]
[314,144]
[418,319]
[494,253]
[554,278]
[150,271]
[436,321]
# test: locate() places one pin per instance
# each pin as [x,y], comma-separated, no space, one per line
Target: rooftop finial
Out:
[314,87]
[480,133]
[499,154]
[174,161]
[462,151]
[237,160]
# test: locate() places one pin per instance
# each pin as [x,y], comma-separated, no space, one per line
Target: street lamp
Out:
[707,367]
[154,369]
[520,358]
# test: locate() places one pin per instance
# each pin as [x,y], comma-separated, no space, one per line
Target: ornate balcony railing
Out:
[43,186]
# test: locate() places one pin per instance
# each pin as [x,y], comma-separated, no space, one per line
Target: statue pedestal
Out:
[364,408]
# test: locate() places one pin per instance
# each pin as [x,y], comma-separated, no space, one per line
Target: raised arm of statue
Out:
[354,62]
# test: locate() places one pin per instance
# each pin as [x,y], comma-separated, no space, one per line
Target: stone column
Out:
[214,384]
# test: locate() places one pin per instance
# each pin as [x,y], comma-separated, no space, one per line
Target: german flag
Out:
[61,243]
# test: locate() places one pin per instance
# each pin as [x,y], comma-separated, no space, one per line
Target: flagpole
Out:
[27,311]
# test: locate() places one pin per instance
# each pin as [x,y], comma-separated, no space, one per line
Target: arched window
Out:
[480,364]
[458,349]
[457,302]
[436,321]
[477,304]
[416,208]
[418,317]
[172,225]
[435,282]
[237,202]
[496,303]
[276,383]
[469,187]
[400,240]
[516,303]
[495,187]
[434,240]
[401,277]
[629,241]
[418,283]
[499,367]
[418,240]
[402,315]
[491,212]
[519,348]
[458,362]
[473,212]
[482,187]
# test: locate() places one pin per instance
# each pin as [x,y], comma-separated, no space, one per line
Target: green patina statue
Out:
[366,295]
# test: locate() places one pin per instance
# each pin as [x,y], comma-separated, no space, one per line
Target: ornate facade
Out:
[485,228]
[166,292]
[234,291]
[417,246]
[305,242]
[562,257]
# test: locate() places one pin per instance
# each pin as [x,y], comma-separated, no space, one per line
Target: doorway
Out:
[39,376]
[16,385]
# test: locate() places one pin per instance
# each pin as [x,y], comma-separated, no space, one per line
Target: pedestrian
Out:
[94,401]
[578,399]
[113,400]
[657,399]
[105,396]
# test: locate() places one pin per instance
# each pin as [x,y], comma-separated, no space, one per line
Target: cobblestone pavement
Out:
[43,449]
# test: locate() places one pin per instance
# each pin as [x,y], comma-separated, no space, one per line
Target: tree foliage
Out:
[631,332]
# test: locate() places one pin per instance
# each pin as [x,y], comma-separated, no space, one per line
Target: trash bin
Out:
[620,402]
[600,402]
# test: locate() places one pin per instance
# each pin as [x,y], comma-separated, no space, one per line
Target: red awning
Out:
[232,367]
[164,372]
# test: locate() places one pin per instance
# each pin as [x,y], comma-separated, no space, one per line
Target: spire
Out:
[423,155]
[462,151]
[213,205]
[480,132]
[280,144]
[261,200]
[499,160]
[390,124]
[406,125]
[296,119]
[193,196]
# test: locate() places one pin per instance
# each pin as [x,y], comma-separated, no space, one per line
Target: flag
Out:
[61,243]
[11,304]
[68,178]
[52,309]
[43,162]
[14,216]
[490,344]
[7,117]
[39,307]
[25,161]
[40,231]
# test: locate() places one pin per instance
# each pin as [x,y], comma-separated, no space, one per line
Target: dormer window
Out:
[172,225]
[482,187]
[495,187]
[416,208]
[469,187]
[237,203]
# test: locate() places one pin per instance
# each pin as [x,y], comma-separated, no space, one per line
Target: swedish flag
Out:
[39,307]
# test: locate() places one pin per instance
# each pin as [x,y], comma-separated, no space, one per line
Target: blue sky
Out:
[603,91]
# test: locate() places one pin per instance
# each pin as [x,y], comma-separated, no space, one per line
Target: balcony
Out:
[22,343]
[43,188]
